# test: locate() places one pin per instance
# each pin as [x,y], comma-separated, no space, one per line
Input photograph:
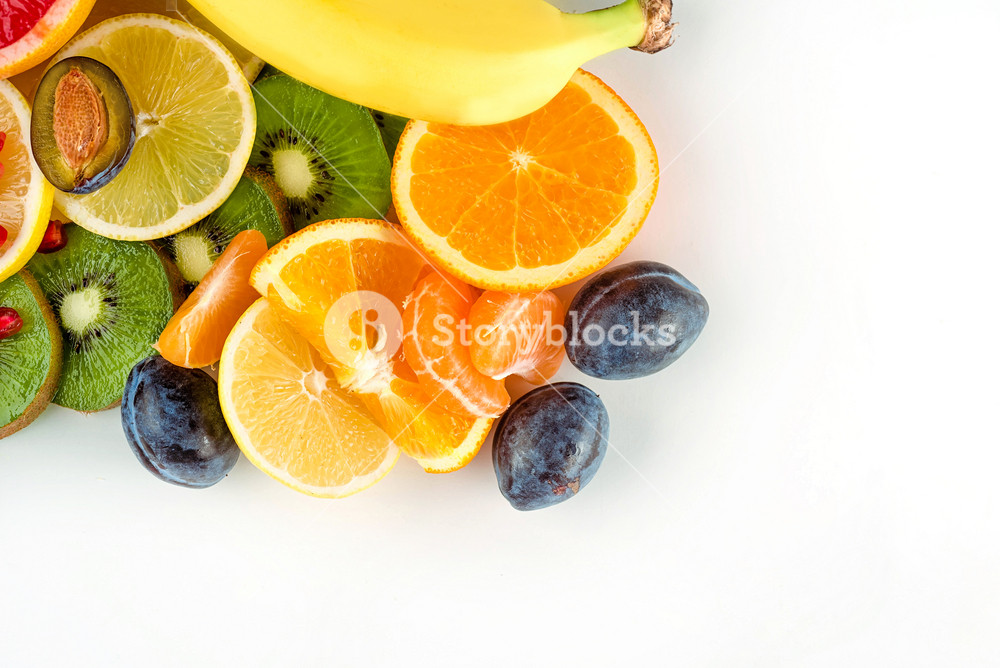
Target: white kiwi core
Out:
[291,171]
[80,309]
[193,257]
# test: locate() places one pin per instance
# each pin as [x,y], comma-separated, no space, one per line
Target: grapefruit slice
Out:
[32,30]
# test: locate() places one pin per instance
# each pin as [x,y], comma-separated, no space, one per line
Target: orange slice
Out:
[25,195]
[195,335]
[518,334]
[436,344]
[341,285]
[531,204]
[288,415]
[32,30]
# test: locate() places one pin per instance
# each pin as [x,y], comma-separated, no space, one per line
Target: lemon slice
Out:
[25,195]
[195,126]
[289,416]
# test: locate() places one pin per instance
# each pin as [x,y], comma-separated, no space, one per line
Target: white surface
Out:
[812,485]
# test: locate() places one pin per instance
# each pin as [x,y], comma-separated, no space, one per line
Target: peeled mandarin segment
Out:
[533,203]
[437,350]
[288,415]
[194,337]
[517,334]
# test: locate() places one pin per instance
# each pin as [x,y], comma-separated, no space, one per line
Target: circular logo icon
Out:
[363,322]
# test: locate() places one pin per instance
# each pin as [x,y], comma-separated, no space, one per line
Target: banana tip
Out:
[659,30]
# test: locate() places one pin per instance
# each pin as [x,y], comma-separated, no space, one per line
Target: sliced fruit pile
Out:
[328,282]
[358,338]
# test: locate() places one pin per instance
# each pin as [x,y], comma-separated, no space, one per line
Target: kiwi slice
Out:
[256,204]
[30,360]
[111,299]
[325,153]
[390,127]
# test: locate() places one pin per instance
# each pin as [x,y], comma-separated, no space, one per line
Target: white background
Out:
[814,484]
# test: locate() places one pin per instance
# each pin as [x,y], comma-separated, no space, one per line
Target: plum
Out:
[82,125]
[174,424]
[549,445]
[633,321]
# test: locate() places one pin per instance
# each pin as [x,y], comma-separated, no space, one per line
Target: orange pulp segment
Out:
[436,346]
[518,334]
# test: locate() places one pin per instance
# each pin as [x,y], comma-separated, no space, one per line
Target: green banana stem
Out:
[659,30]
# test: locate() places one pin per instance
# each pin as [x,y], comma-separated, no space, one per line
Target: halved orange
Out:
[341,285]
[288,415]
[518,334]
[531,204]
[195,335]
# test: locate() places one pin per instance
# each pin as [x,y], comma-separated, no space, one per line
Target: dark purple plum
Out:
[174,424]
[549,444]
[633,321]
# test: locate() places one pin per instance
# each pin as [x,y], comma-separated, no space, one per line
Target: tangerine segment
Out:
[313,278]
[288,415]
[194,337]
[436,346]
[518,334]
[534,203]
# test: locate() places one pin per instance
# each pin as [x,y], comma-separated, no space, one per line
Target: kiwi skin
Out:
[173,275]
[273,192]
[48,390]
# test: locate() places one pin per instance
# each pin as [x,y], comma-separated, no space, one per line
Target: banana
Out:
[465,62]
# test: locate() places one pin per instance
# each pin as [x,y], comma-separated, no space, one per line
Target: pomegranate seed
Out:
[3,139]
[3,230]
[54,239]
[10,322]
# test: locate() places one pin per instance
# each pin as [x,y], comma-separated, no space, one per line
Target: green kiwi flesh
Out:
[30,361]
[326,154]
[390,127]
[112,300]
[256,204]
